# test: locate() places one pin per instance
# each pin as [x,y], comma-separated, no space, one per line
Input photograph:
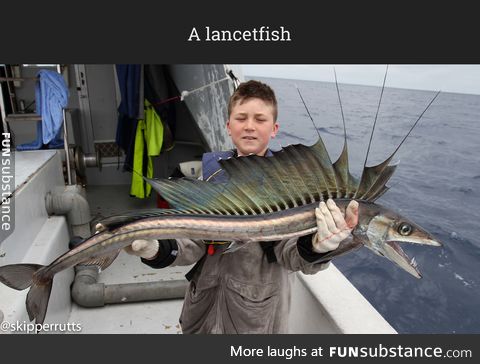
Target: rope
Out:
[185,93]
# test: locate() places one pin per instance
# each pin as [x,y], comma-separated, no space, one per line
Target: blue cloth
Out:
[210,164]
[51,97]
[57,142]
[128,76]
[36,144]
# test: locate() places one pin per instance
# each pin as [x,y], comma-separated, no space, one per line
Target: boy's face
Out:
[251,125]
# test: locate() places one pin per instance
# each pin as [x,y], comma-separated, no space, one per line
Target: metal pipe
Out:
[3,79]
[65,138]
[91,160]
[65,146]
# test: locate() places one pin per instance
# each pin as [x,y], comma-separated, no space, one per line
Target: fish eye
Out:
[405,229]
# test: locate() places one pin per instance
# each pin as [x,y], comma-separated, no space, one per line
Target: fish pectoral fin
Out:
[104,261]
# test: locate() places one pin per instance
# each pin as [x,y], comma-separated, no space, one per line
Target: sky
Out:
[447,78]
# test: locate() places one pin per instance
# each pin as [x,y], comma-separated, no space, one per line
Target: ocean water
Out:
[436,185]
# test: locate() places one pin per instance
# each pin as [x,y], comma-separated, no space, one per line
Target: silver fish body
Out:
[374,223]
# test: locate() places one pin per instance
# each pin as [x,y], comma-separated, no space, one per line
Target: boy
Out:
[247,291]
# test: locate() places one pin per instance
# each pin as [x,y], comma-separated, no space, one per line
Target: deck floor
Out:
[129,318]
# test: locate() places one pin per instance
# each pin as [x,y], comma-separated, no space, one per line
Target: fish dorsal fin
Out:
[202,197]
[326,169]
[374,178]
[346,183]
[294,176]
[379,187]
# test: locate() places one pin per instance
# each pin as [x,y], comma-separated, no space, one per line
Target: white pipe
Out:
[87,292]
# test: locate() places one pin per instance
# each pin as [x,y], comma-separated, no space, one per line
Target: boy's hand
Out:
[332,226]
[146,249]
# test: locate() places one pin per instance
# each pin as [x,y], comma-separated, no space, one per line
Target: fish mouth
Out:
[395,253]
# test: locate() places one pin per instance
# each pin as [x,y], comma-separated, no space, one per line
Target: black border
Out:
[155,32]
[217,349]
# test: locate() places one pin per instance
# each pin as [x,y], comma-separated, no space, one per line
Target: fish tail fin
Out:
[18,276]
[37,300]
[22,276]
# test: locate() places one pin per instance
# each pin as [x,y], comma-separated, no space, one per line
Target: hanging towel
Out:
[51,94]
[148,143]
[51,97]
[57,142]
[36,144]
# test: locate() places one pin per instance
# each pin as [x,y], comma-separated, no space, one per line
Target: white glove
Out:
[146,249]
[332,226]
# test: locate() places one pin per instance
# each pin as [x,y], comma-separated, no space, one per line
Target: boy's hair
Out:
[253,89]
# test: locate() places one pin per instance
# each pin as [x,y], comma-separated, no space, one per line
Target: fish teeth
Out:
[413,262]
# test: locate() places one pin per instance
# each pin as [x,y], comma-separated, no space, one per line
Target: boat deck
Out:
[134,317]
[153,317]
